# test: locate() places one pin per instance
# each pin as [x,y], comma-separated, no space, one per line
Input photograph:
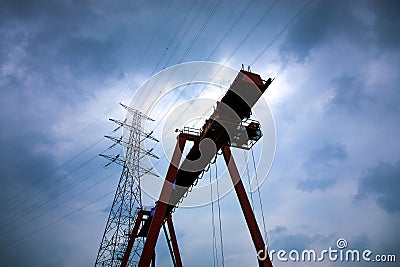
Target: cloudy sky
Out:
[65,66]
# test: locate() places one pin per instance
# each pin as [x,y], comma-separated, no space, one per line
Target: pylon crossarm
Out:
[135,111]
[134,128]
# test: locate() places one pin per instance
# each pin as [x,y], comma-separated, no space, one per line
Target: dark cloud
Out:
[311,184]
[348,94]
[25,153]
[67,45]
[282,239]
[24,170]
[328,153]
[375,24]
[54,55]
[324,21]
[386,23]
[381,184]
[322,165]
[21,165]
[360,242]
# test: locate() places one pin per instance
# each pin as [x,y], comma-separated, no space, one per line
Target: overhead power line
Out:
[42,179]
[25,236]
[281,32]
[174,37]
[208,19]
[28,210]
[180,41]
[240,44]
[58,205]
[146,50]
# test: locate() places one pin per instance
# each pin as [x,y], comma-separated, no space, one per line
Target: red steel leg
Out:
[174,241]
[246,208]
[153,259]
[132,238]
[161,208]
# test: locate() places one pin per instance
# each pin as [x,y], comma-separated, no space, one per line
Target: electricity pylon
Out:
[128,198]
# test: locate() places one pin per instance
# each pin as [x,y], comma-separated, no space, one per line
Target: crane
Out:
[229,126]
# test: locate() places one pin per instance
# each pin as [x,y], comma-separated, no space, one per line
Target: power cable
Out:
[189,48]
[25,236]
[215,252]
[202,29]
[146,50]
[276,38]
[253,28]
[219,218]
[99,118]
[259,197]
[43,189]
[174,37]
[244,39]
[233,52]
[24,190]
[28,210]
[88,126]
[59,204]
[248,180]
[192,23]
[185,34]
[282,31]
[220,42]
[197,35]
[230,28]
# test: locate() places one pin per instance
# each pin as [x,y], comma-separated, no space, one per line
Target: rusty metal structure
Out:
[229,126]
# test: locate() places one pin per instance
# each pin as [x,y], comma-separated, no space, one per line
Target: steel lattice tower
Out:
[127,199]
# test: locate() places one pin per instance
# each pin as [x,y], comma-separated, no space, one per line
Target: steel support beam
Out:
[161,208]
[174,241]
[246,208]
[153,259]
[132,237]
[171,250]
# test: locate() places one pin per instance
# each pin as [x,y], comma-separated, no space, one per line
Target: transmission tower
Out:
[128,199]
